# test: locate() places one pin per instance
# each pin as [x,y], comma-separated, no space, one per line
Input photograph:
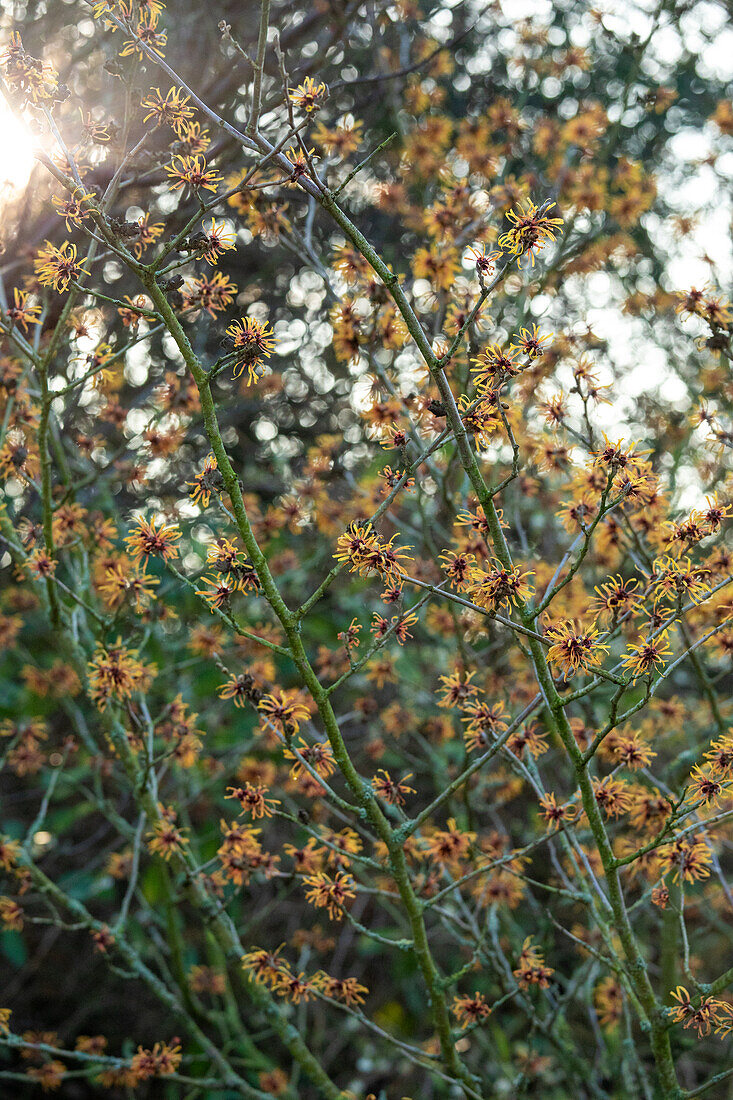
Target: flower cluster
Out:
[354,622]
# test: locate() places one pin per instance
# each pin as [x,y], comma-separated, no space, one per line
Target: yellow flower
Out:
[192,171]
[220,237]
[308,95]
[72,209]
[329,893]
[531,229]
[251,341]
[166,839]
[645,656]
[574,648]
[58,267]
[170,109]
[146,34]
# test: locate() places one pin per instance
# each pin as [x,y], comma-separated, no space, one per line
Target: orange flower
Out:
[213,294]
[483,722]
[471,1010]
[329,893]
[532,969]
[701,1018]
[319,755]
[705,786]
[148,541]
[555,814]
[161,1061]
[166,839]
[688,858]
[347,990]
[392,790]
[20,313]
[115,672]
[499,587]
[575,649]
[253,800]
